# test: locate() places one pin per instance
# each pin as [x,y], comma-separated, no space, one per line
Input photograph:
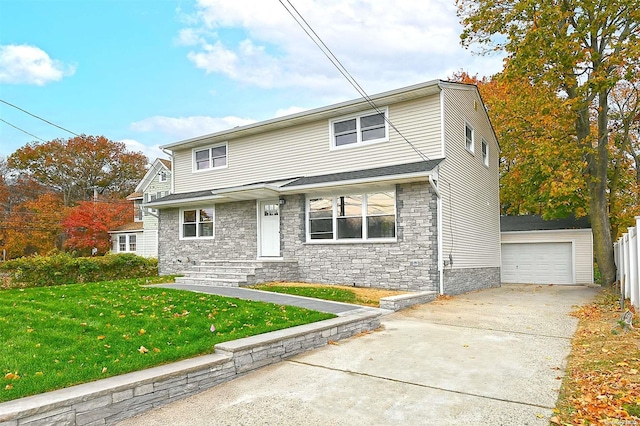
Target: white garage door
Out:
[537,263]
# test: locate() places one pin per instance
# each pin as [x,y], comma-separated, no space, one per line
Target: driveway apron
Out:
[493,357]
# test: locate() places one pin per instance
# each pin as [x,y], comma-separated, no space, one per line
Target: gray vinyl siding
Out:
[304,150]
[582,240]
[469,190]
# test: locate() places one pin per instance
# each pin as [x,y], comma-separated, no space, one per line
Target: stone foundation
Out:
[458,281]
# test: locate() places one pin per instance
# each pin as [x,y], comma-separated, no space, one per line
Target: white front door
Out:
[269,212]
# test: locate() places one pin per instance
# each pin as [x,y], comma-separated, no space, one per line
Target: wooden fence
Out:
[627,256]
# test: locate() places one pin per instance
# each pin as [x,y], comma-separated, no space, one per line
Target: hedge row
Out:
[62,268]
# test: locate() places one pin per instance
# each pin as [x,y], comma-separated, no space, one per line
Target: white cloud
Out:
[24,64]
[188,127]
[383,44]
[152,152]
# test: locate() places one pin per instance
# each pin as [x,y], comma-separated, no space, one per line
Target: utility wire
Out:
[40,118]
[342,69]
[22,130]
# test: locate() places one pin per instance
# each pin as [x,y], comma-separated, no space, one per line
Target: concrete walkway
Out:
[336,308]
[493,357]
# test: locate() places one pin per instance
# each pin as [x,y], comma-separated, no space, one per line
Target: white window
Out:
[197,223]
[370,216]
[213,157]
[149,198]
[485,153]
[137,211]
[162,176]
[468,137]
[366,128]
[126,243]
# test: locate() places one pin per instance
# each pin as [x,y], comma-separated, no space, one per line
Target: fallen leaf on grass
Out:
[104,370]
[143,350]
[11,376]
[101,337]
[141,331]
[8,387]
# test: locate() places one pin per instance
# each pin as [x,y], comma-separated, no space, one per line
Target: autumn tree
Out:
[579,49]
[34,226]
[75,166]
[540,169]
[88,223]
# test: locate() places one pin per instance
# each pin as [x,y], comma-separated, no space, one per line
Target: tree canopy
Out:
[75,166]
[580,50]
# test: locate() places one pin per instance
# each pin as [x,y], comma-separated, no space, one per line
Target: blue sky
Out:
[151,72]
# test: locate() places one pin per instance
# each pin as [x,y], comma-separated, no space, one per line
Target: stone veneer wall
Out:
[235,237]
[410,263]
[457,281]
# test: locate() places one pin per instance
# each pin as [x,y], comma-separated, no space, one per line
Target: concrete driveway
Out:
[493,357]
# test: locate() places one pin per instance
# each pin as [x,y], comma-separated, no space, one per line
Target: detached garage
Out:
[537,251]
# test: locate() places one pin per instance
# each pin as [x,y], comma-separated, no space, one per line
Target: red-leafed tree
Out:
[88,223]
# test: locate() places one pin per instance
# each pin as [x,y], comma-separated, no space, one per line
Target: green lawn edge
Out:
[60,336]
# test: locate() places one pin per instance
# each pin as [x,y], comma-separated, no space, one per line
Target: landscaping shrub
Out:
[62,268]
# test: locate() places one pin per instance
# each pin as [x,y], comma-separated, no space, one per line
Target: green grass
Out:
[326,293]
[55,337]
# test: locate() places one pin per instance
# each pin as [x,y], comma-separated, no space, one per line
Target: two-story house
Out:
[141,236]
[401,194]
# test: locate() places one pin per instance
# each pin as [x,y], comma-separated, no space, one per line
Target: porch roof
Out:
[401,173]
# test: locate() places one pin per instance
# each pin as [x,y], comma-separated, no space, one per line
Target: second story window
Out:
[162,176]
[468,137]
[212,157]
[485,153]
[369,127]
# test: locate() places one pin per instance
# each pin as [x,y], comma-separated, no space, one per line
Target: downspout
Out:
[434,185]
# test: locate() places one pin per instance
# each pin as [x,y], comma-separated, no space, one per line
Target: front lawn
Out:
[55,337]
[356,295]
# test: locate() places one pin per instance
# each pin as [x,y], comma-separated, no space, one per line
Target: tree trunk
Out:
[598,203]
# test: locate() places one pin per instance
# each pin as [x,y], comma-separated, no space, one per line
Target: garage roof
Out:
[537,223]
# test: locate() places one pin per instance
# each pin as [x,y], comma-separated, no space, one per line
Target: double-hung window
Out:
[485,153]
[468,137]
[352,217]
[197,223]
[162,176]
[213,157]
[366,128]
[126,243]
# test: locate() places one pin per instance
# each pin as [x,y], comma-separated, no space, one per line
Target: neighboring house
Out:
[141,235]
[537,251]
[336,195]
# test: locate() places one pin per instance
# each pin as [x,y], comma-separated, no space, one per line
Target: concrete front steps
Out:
[237,273]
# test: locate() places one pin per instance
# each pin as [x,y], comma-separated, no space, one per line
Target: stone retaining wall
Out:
[111,400]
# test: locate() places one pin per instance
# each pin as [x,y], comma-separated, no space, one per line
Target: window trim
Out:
[127,243]
[364,215]
[358,117]
[194,164]
[162,176]
[197,222]
[485,152]
[472,147]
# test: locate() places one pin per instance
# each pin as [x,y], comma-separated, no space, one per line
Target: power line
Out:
[40,118]
[342,69]
[22,130]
